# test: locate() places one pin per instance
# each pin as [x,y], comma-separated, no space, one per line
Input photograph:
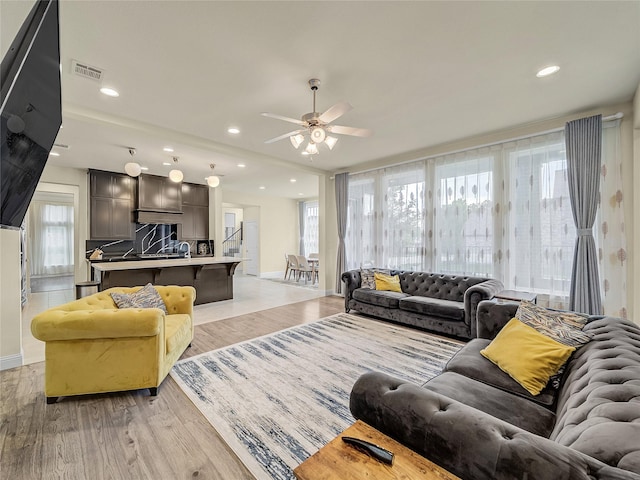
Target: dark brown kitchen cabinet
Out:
[159,194]
[112,200]
[195,212]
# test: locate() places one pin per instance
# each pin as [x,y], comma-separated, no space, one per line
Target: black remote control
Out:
[379,453]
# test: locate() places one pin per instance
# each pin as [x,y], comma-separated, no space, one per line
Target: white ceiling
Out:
[417,73]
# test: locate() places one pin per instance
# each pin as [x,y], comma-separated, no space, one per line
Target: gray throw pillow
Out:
[146,297]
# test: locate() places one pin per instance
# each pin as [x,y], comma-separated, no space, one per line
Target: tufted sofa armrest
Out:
[352,280]
[492,316]
[467,441]
[476,294]
[58,324]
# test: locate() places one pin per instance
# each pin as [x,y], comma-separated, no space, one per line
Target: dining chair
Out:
[288,266]
[306,268]
[292,265]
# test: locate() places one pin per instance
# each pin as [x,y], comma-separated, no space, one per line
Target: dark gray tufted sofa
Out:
[478,423]
[439,303]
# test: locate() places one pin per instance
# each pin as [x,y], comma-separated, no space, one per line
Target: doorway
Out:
[50,251]
[252,262]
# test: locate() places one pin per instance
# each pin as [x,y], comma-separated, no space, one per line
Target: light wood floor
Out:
[130,435]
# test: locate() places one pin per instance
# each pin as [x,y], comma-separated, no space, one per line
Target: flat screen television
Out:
[31,111]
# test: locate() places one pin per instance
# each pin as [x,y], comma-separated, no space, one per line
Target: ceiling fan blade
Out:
[286,135]
[334,112]
[356,132]
[286,119]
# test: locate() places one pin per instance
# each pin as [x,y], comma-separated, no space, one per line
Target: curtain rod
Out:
[615,116]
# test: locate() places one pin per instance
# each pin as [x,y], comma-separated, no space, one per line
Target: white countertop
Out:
[164,263]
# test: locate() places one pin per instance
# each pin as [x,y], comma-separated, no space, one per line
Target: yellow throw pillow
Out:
[387,282]
[528,356]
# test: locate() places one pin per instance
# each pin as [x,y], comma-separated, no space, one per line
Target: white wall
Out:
[10,307]
[278,224]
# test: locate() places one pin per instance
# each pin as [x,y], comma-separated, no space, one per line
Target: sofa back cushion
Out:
[444,287]
[599,402]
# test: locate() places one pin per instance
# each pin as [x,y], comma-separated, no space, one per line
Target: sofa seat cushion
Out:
[377,297]
[449,309]
[513,409]
[470,363]
[177,331]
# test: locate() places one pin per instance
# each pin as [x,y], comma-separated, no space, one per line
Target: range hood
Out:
[159,200]
[168,218]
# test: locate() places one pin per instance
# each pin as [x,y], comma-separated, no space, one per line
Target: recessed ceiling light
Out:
[293,180]
[548,71]
[233,130]
[301,194]
[54,154]
[166,163]
[109,91]
[241,165]
[144,168]
[304,152]
[262,187]
[168,149]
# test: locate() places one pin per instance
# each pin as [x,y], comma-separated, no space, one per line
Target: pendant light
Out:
[213,181]
[176,175]
[133,169]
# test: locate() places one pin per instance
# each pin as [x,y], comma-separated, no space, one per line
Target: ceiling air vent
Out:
[86,71]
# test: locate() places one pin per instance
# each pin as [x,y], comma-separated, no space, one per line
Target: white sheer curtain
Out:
[51,246]
[609,227]
[501,211]
[311,240]
[386,225]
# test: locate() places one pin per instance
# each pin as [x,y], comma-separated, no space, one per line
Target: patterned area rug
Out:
[279,398]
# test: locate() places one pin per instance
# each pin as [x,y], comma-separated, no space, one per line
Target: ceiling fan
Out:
[318,125]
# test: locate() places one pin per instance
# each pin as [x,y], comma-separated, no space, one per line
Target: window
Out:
[501,211]
[310,238]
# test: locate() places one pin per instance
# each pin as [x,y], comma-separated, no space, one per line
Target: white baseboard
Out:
[11,361]
[272,275]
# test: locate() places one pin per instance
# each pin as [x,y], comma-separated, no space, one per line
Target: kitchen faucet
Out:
[187,253]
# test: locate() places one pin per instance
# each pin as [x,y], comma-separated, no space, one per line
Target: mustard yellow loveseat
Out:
[92,346]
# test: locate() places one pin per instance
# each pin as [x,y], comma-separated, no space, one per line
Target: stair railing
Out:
[232,244]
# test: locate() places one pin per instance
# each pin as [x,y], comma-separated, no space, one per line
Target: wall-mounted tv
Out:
[31,111]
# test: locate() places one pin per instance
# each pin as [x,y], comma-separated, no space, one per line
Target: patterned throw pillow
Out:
[367,276]
[563,327]
[146,297]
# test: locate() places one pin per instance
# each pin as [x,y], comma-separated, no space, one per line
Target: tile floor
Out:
[251,294]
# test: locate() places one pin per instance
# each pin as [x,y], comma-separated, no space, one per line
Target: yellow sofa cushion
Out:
[528,356]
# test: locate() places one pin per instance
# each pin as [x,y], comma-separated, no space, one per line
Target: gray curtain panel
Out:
[583,139]
[342,204]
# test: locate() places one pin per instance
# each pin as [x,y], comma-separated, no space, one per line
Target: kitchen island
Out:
[212,277]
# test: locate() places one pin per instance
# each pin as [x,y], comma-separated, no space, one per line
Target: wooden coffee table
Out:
[339,461]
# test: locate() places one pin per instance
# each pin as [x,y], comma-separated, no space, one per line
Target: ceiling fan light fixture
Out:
[318,134]
[311,149]
[296,140]
[330,142]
